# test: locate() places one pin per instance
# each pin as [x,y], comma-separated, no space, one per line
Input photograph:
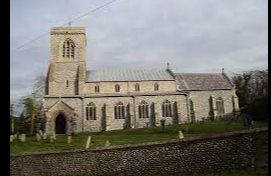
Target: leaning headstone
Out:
[22,137]
[52,139]
[88,142]
[44,136]
[38,137]
[69,141]
[54,135]
[11,138]
[181,135]
[107,143]
[40,133]
[15,136]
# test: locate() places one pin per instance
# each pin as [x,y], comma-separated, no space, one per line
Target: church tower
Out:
[67,70]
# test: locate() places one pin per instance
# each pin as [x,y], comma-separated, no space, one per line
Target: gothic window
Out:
[211,108]
[220,106]
[137,88]
[68,49]
[143,110]
[156,87]
[166,109]
[97,89]
[119,111]
[117,88]
[91,111]
[67,83]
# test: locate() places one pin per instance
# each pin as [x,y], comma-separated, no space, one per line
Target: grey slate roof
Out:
[127,75]
[202,81]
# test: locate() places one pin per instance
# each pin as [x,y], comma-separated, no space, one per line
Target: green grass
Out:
[128,136]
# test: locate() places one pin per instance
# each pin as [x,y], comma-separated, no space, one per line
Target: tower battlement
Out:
[69,30]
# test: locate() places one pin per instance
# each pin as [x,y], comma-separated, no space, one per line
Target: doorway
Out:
[60,124]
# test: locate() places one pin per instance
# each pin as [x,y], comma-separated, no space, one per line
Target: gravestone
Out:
[88,142]
[22,137]
[11,138]
[107,143]
[40,133]
[38,137]
[181,135]
[16,136]
[52,139]
[69,141]
[44,136]
[54,135]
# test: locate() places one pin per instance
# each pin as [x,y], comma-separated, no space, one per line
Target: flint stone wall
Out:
[227,151]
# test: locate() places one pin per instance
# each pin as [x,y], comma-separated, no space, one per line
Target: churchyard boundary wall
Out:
[234,150]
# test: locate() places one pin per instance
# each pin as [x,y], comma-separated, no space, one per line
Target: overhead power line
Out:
[68,23]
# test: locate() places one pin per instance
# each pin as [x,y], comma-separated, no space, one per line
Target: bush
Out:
[258,108]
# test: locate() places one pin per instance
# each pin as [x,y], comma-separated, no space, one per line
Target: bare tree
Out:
[33,104]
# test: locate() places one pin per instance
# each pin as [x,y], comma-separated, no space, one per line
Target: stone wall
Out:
[220,152]
[201,101]
[135,121]
[129,87]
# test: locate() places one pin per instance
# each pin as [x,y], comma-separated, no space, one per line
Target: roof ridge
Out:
[201,73]
[125,69]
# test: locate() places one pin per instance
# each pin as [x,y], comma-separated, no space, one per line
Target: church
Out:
[81,100]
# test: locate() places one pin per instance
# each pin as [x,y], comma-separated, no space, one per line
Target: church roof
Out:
[128,75]
[203,81]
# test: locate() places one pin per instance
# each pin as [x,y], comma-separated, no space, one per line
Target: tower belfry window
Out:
[68,49]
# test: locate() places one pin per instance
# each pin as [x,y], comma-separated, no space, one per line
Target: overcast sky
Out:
[192,35]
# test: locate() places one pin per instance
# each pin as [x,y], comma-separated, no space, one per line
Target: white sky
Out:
[193,35]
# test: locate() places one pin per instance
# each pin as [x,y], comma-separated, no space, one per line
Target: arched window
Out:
[143,110]
[97,89]
[67,83]
[211,108]
[156,87]
[119,111]
[117,88]
[137,88]
[91,111]
[166,109]
[220,106]
[68,49]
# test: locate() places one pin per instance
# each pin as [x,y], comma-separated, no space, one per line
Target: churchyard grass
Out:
[127,136]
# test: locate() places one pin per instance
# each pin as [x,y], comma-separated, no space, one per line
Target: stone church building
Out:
[81,100]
